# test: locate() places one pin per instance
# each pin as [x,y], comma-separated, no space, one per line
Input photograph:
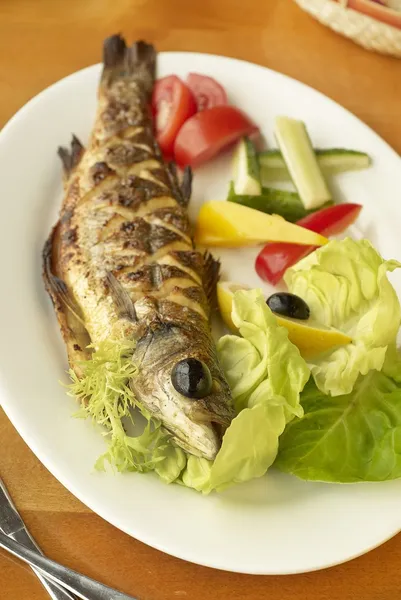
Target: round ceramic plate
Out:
[277,524]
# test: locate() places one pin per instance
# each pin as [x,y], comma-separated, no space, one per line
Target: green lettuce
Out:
[350,438]
[197,474]
[266,374]
[346,287]
[173,461]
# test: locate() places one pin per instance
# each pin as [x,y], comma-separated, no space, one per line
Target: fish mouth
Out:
[218,423]
[198,414]
[206,430]
[211,410]
[206,445]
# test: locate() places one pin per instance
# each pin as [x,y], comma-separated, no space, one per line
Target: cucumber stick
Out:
[274,202]
[331,160]
[246,169]
[296,148]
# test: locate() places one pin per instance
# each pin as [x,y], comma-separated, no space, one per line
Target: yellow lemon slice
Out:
[225,294]
[310,337]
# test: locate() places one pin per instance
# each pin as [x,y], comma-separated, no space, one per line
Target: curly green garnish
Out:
[107,398]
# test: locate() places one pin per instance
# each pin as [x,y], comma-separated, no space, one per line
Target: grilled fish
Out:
[120,263]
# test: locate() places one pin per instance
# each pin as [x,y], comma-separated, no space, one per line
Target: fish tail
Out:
[121,61]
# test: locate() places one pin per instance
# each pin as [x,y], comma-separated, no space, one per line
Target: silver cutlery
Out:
[12,525]
[57,579]
[84,587]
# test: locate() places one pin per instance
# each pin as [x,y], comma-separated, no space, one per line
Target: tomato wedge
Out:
[172,104]
[272,262]
[209,131]
[206,90]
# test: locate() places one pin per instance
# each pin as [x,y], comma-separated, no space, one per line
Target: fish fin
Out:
[181,192]
[174,183]
[68,313]
[124,304]
[71,158]
[211,275]
[120,60]
[186,185]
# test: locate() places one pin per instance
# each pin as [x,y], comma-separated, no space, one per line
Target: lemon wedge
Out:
[310,337]
[225,295]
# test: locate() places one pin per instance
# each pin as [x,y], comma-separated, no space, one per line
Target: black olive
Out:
[288,305]
[192,378]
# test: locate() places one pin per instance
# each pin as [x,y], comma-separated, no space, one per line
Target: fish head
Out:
[180,382]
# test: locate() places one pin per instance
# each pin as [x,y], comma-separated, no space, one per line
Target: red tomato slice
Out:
[209,131]
[206,90]
[275,258]
[172,104]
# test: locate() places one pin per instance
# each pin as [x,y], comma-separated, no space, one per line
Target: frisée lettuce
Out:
[106,397]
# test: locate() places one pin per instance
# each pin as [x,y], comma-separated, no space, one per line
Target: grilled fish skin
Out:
[120,263]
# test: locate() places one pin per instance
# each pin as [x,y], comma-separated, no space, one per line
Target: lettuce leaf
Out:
[354,437]
[249,446]
[392,363]
[197,474]
[266,374]
[345,285]
[263,363]
[173,462]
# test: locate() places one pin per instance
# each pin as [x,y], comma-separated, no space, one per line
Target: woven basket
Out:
[364,30]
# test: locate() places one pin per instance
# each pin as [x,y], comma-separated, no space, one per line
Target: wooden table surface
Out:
[44,40]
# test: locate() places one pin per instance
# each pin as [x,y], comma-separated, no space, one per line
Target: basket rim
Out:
[382,7]
[342,7]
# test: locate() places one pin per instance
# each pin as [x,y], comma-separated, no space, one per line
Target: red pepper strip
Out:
[275,258]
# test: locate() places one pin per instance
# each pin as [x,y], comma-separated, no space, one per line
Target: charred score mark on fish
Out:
[177,218]
[152,277]
[119,115]
[99,171]
[125,254]
[131,192]
[123,155]
[144,236]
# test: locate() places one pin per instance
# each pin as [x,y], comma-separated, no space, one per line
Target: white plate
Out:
[274,525]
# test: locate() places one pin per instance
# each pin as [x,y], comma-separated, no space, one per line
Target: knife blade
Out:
[13,526]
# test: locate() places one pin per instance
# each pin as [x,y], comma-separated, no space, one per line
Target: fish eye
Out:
[192,378]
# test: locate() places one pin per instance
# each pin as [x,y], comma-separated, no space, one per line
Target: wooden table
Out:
[42,41]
